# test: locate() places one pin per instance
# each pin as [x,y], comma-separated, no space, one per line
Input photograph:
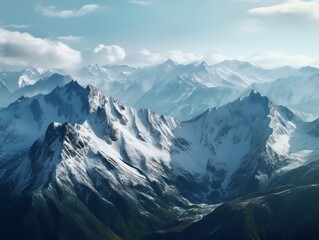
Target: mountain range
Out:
[76,164]
[180,91]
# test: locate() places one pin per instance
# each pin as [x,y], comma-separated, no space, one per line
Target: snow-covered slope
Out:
[168,88]
[245,73]
[297,92]
[103,141]
[14,84]
[182,91]
[18,79]
[42,86]
[23,121]
[241,146]
[4,92]
[102,76]
[209,152]
[86,146]
[77,145]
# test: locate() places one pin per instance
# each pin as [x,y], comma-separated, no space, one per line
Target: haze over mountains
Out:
[77,163]
[181,91]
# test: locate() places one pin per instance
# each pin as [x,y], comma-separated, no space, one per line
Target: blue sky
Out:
[140,32]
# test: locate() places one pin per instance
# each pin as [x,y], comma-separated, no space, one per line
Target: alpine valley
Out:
[224,161]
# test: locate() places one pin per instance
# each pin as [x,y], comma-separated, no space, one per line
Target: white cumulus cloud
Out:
[19,26]
[70,38]
[279,59]
[184,58]
[53,11]
[143,58]
[18,50]
[140,2]
[250,26]
[291,7]
[267,59]
[104,54]
[218,56]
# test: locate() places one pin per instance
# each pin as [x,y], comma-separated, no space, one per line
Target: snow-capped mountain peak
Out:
[77,145]
[220,142]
